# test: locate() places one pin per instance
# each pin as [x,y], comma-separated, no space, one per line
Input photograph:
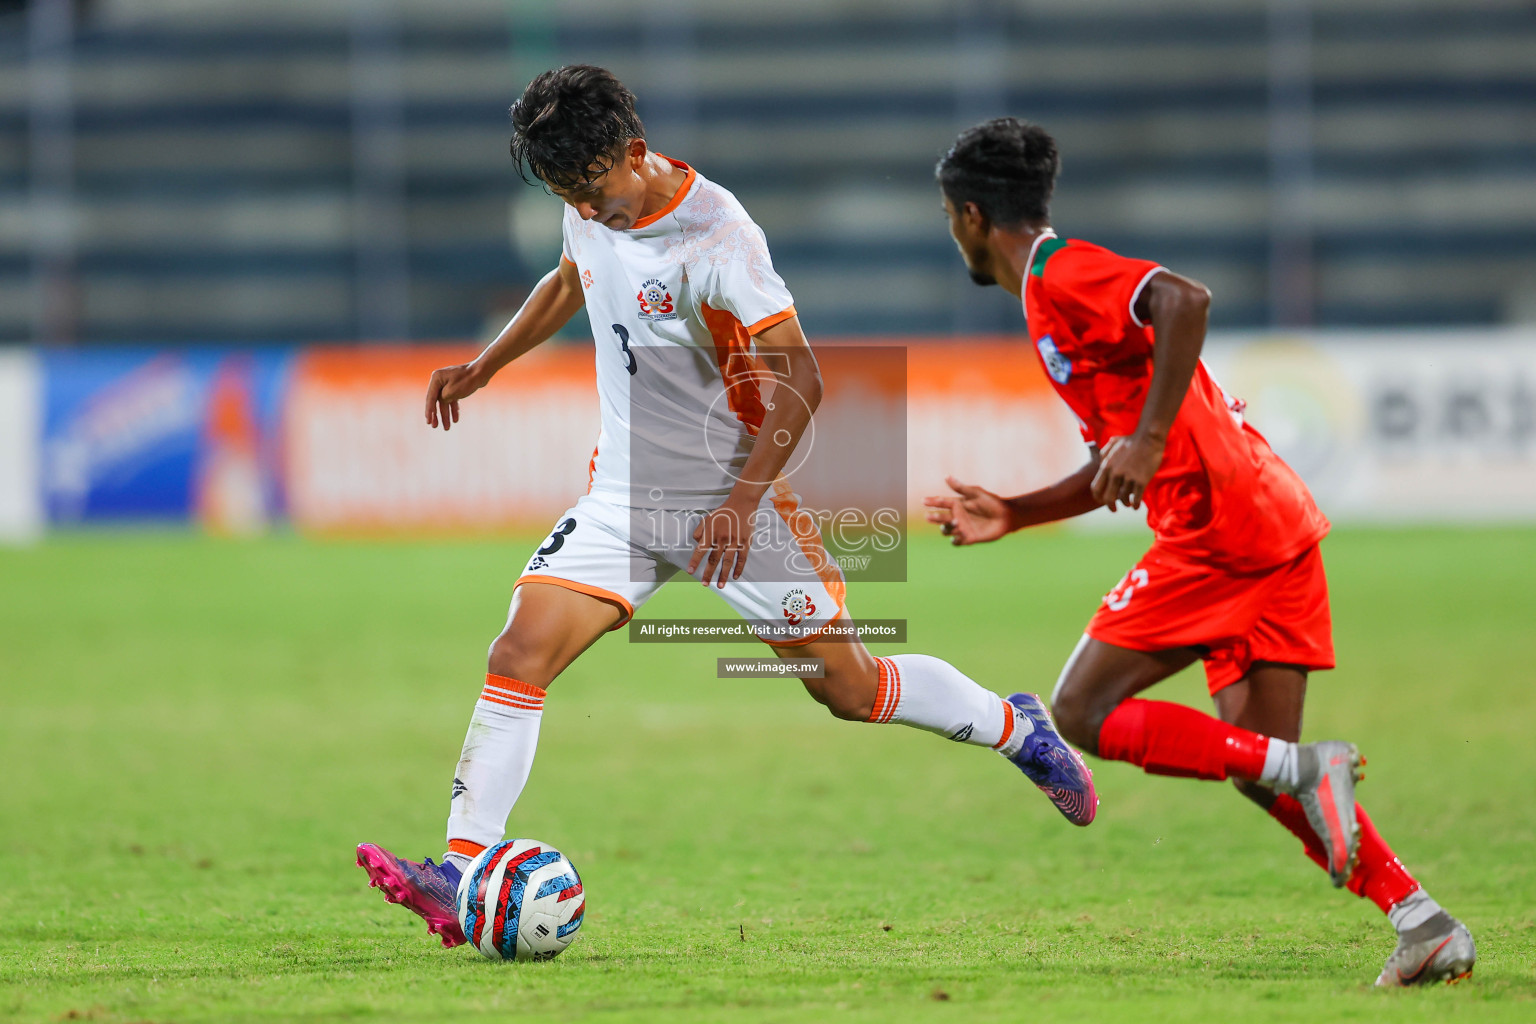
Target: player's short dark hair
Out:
[1006,166]
[569,124]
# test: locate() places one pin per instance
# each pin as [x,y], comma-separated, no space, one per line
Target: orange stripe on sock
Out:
[464,846]
[520,705]
[515,685]
[881,687]
[1007,726]
[504,699]
[497,691]
[893,691]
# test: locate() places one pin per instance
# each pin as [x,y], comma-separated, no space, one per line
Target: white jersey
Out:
[674,302]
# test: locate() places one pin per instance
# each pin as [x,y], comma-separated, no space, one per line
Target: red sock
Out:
[1378,876]
[1171,739]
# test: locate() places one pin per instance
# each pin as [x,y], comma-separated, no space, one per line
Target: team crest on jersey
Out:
[1056,364]
[656,302]
[798,607]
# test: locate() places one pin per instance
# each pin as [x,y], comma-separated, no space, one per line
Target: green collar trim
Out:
[1042,253]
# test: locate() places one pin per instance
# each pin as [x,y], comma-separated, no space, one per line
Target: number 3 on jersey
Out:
[629,357]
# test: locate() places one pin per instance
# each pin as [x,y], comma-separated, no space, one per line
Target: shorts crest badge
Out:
[656,302]
[798,606]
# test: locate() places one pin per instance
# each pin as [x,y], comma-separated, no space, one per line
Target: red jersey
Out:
[1221,495]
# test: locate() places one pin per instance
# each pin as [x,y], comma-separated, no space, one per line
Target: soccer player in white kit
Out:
[686,477]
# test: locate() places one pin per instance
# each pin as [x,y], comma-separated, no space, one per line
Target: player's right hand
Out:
[446,388]
[971,515]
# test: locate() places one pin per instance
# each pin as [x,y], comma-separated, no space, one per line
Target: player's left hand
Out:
[1125,469]
[972,515]
[720,543]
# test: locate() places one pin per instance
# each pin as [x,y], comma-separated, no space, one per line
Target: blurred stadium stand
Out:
[298,170]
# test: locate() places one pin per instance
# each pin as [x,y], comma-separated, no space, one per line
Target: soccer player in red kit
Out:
[1234,577]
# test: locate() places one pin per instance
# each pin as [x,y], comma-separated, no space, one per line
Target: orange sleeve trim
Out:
[465,847]
[514,685]
[566,259]
[582,588]
[677,197]
[769,321]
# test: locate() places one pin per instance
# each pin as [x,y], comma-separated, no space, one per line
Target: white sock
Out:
[494,765]
[1280,767]
[1413,910]
[931,694]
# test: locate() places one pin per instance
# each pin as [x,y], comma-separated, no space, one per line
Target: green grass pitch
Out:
[195,734]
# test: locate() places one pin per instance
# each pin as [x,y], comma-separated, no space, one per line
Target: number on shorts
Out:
[1121,595]
[629,357]
[557,538]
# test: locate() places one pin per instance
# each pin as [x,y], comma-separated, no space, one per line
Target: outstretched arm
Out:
[973,515]
[553,301]
[1177,308]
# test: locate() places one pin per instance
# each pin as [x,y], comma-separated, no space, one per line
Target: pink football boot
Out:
[427,889]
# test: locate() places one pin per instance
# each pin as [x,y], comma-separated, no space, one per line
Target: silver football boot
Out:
[1328,771]
[1440,949]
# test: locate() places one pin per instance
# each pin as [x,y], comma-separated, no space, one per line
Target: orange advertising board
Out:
[361,459]
[982,410]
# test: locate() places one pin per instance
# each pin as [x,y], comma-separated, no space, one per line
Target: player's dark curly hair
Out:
[569,124]
[1007,167]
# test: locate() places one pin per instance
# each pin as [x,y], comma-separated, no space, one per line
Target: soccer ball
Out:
[520,900]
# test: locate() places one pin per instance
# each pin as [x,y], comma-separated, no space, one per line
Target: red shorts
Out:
[1234,619]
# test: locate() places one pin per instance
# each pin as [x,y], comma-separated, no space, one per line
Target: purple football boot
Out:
[1053,766]
[426,888]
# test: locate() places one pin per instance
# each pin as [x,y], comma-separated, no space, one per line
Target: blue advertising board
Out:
[142,434]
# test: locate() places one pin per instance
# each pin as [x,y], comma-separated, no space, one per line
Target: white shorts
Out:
[790,590]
